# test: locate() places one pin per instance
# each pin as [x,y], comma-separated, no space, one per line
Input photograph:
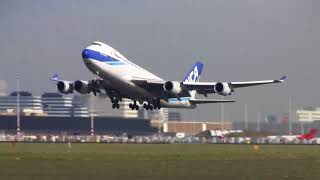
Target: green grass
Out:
[163,161]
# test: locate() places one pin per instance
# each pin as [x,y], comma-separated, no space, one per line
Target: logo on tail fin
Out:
[194,74]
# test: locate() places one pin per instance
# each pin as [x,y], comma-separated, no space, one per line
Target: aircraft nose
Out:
[85,54]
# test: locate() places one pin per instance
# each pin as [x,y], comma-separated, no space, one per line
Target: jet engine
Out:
[82,87]
[64,87]
[223,88]
[173,87]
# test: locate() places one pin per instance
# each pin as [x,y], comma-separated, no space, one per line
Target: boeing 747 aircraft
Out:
[120,78]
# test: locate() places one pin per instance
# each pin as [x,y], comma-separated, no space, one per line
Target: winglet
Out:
[55,77]
[283,79]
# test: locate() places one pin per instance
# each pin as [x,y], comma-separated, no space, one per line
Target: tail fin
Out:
[312,134]
[194,75]
[313,131]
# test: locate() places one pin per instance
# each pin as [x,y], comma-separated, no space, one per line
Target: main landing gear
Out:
[154,105]
[134,106]
[151,105]
[115,103]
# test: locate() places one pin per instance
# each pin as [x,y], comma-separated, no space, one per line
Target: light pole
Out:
[92,115]
[222,114]
[246,117]
[18,106]
[302,127]
[258,121]
[290,116]
[301,122]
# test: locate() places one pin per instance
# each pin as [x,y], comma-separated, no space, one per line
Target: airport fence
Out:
[153,139]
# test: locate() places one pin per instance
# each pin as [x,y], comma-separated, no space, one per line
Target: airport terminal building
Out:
[308,114]
[54,112]
[47,105]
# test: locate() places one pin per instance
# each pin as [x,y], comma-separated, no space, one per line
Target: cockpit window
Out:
[98,44]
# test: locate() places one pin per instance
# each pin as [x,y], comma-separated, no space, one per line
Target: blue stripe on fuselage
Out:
[91,54]
[181,99]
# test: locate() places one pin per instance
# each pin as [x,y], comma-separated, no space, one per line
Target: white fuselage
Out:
[118,72]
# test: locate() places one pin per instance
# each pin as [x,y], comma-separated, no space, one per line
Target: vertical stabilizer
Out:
[194,75]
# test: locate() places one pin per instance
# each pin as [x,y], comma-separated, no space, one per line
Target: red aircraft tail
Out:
[312,134]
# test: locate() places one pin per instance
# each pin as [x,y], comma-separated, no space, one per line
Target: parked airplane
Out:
[311,135]
[121,78]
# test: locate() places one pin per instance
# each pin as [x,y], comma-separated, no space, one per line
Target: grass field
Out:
[163,161]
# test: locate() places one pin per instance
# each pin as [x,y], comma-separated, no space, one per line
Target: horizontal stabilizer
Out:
[208,101]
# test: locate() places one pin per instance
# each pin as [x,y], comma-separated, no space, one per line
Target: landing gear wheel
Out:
[131,106]
[134,106]
[157,107]
[115,103]
[155,104]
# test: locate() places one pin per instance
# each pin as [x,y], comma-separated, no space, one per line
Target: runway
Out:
[157,161]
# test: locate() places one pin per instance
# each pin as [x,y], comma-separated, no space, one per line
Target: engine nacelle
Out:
[223,88]
[82,87]
[173,87]
[64,87]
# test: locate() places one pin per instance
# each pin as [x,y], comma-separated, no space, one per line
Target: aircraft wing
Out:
[148,82]
[209,87]
[155,86]
[256,83]
[56,77]
[202,87]
[84,87]
[207,101]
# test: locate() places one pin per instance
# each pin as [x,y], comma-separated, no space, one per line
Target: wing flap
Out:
[256,83]
[209,101]
[198,85]
[208,87]
[201,87]
[153,82]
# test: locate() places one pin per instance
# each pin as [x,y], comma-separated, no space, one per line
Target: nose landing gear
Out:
[115,106]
